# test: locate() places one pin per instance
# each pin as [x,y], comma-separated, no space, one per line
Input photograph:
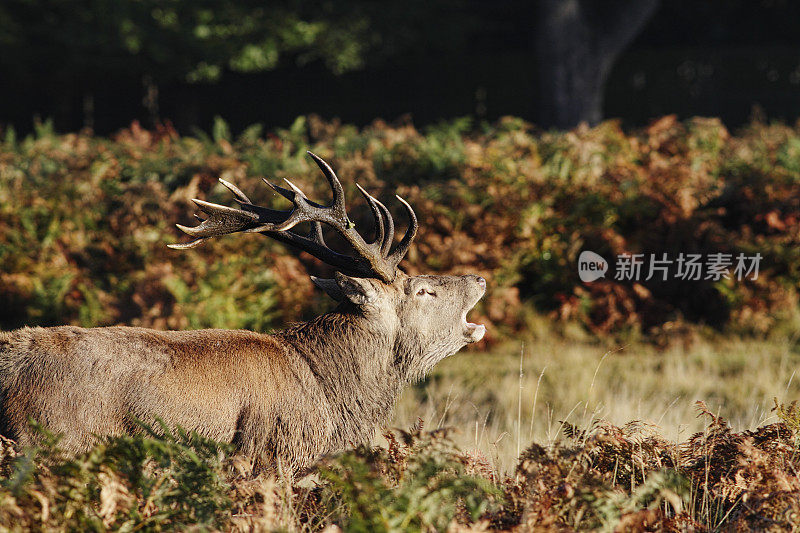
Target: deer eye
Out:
[423,291]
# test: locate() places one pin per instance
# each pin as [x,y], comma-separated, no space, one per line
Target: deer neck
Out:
[352,357]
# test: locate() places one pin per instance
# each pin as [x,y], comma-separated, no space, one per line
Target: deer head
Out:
[424,315]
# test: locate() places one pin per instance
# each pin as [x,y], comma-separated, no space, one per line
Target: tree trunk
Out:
[88,112]
[150,101]
[577,43]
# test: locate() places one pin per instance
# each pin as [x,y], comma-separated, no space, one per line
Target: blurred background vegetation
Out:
[84,221]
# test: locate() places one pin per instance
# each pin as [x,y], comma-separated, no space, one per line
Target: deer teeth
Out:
[467,324]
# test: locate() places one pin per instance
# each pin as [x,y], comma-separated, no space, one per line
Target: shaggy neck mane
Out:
[352,359]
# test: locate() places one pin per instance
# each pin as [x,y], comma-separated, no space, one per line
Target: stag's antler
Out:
[373,260]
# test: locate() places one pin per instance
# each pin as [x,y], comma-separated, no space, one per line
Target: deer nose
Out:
[481,282]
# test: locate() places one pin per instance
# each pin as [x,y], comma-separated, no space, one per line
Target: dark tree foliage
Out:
[104,63]
[75,44]
[176,39]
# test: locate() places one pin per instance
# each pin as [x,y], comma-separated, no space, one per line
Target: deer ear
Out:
[360,291]
[330,287]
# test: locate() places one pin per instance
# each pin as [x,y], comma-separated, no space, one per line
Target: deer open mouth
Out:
[473,332]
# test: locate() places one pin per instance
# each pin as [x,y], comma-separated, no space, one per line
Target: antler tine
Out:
[316,233]
[289,195]
[376,213]
[295,190]
[185,245]
[240,196]
[336,185]
[405,243]
[387,241]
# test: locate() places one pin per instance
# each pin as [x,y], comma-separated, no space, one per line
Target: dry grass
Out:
[483,395]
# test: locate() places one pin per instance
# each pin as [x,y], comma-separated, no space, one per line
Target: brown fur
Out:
[286,398]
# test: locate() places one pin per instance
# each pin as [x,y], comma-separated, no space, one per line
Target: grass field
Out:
[491,403]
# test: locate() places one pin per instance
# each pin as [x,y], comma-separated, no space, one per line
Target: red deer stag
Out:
[284,399]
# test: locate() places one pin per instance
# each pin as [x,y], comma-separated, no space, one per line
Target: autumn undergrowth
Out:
[585,438]
[85,220]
